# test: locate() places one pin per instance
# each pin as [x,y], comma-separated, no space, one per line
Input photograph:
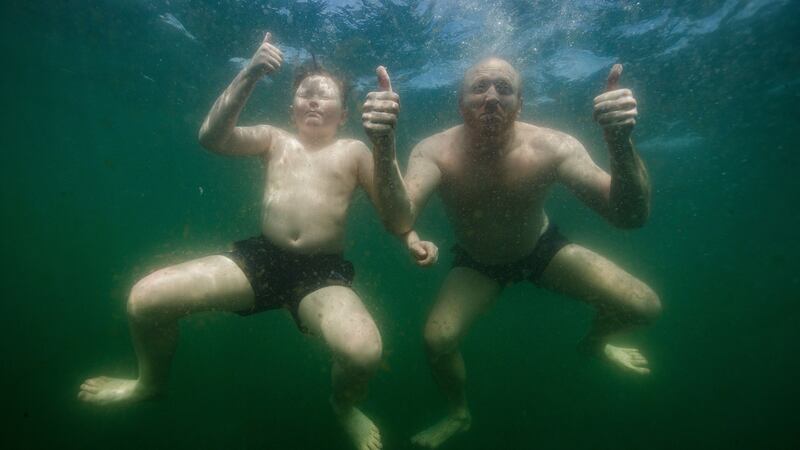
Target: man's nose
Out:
[314,103]
[491,96]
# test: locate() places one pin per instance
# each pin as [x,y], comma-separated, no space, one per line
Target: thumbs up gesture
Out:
[615,109]
[380,111]
[266,60]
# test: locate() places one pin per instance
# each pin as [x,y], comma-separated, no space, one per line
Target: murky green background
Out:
[103,181]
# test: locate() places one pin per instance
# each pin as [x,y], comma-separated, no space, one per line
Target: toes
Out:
[90,388]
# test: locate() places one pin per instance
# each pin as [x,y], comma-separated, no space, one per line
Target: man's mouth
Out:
[491,116]
[313,114]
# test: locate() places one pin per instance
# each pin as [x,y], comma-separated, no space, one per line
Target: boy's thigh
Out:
[337,314]
[211,283]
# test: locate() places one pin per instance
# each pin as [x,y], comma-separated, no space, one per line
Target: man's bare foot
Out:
[362,431]
[627,358]
[435,436]
[105,390]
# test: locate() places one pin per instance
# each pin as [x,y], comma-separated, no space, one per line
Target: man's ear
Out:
[343,118]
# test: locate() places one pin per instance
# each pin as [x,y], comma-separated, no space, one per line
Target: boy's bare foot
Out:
[436,435]
[627,358]
[362,431]
[105,390]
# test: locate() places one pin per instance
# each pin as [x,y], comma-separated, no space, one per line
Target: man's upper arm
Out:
[577,171]
[366,171]
[423,174]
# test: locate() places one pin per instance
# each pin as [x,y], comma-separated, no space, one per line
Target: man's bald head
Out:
[491,63]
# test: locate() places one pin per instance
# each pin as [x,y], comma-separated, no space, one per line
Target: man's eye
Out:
[504,88]
[480,86]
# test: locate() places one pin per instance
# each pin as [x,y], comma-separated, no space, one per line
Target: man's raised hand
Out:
[380,111]
[267,58]
[615,110]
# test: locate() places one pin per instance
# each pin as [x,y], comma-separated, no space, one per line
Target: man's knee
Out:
[441,338]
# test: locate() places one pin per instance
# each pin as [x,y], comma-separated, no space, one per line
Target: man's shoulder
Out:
[540,137]
[439,141]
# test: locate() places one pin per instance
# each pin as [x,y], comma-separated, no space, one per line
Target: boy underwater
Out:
[295,263]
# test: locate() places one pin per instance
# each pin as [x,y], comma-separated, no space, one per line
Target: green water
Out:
[103,181]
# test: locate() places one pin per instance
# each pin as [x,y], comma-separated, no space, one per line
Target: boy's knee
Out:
[364,353]
[145,300]
[648,307]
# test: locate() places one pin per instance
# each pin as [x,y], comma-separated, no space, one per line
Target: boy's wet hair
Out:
[313,68]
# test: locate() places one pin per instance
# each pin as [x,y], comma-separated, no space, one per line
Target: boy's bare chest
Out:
[297,168]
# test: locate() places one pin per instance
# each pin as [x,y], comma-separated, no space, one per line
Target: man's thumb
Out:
[419,251]
[268,37]
[383,79]
[613,77]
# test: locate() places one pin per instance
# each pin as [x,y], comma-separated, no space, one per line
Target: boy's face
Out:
[317,108]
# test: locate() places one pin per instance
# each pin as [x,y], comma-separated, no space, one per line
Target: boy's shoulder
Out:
[354,146]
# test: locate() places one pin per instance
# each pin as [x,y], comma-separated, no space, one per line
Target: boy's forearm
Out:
[630,186]
[221,120]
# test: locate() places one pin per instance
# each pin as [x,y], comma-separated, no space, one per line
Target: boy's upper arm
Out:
[423,174]
[577,171]
[250,141]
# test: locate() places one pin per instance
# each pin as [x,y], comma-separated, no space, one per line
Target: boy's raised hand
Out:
[267,58]
[380,111]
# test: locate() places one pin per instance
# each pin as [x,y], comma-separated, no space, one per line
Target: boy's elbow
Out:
[208,141]
[204,138]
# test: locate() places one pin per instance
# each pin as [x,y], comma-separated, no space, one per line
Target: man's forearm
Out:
[221,120]
[630,186]
[394,204]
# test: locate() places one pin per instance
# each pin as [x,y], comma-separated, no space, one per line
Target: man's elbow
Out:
[397,224]
[397,227]
[631,221]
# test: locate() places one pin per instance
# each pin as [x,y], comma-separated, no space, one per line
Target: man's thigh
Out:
[212,283]
[465,295]
[590,277]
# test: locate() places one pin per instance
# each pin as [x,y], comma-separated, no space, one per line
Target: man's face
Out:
[491,99]
[317,108]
